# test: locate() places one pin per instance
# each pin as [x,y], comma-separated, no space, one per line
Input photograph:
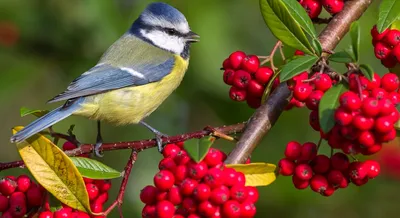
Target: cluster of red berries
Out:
[184,188]
[386,46]
[98,195]
[19,196]
[247,78]
[314,7]
[324,175]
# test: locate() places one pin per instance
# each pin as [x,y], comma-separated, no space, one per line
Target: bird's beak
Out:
[192,37]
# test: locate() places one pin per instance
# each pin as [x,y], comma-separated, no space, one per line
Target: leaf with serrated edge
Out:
[327,106]
[389,11]
[198,148]
[257,174]
[341,57]
[283,26]
[26,111]
[54,170]
[301,17]
[94,169]
[367,71]
[355,39]
[297,66]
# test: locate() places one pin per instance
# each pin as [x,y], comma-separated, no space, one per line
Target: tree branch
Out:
[266,115]
[143,144]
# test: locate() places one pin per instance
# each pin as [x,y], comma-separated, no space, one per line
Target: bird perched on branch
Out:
[133,77]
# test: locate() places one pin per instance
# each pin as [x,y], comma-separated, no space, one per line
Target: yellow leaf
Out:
[54,171]
[257,174]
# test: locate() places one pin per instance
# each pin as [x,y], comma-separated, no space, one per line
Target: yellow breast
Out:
[132,104]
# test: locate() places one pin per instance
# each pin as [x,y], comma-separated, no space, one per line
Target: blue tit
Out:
[133,77]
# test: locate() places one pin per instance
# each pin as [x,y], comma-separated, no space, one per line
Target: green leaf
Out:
[284,27]
[328,105]
[300,16]
[198,148]
[389,11]
[350,52]
[297,66]
[317,46]
[26,111]
[94,169]
[341,57]
[355,39]
[367,70]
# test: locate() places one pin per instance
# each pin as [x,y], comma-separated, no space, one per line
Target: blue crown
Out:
[167,12]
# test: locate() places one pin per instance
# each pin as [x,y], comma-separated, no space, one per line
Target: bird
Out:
[131,79]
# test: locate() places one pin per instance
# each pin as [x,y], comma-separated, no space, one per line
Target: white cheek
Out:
[165,41]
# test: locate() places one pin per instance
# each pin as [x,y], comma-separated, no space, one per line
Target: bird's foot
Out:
[159,140]
[97,146]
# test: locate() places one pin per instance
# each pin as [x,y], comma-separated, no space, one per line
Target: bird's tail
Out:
[45,121]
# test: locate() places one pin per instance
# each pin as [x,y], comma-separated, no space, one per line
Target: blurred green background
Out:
[49,43]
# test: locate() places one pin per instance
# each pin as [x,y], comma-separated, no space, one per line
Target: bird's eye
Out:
[171,31]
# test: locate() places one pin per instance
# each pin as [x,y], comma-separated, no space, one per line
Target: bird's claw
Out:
[159,140]
[97,151]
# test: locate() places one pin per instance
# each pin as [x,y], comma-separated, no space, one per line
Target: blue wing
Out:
[105,77]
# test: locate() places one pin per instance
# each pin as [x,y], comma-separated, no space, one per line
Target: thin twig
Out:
[277,45]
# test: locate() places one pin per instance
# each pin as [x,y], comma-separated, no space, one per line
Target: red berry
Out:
[390,82]
[161,195]
[164,180]
[238,193]
[386,107]
[335,177]
[357,170]
[226,64]
[17,210]
[167,163]
[253,101]
[302,91]
[308,151]
[252,194]
[386,137]
[340,161]
[181,158]
[394,97]
[63,213]
[197,170]
[392,37]
[322,82]
[366,139]
[171,150]
[303,171]
[228,76]
[263,75]
[293,150]
[241,79]
[219,195]
[343,117]
[149,211]
[96,207]
[92,191]
[202,192]
[187,186]
[286,167]
[255,88]
[371,150]
[247,209]
[3,203]
[103,198]
[376,35]
[236,59]
[206,209]
[329,191]
[381,50]
[7,186]
[103,184]
[300,183]
[313,99]
[230,176]
[213,157]
[174,196]
[46,214]
[181,173]
[320,164]
[319,184]
[231,209]
[34,196]
[350,101]
[67,146]
[363,123]
[360,182]
[396,55]
[148,194]
[165,209]
[370,107]
[240,178]
[214,178]
[333,6]
[373,168]
[237,94]
[250,64]
[23,183]
[383,124]
[314,120]
[375,82]
[189,204]
[378,93]
[312,7]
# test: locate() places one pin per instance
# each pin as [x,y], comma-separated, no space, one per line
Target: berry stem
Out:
[359,87]
[319,143]
[120,198]
[277,45]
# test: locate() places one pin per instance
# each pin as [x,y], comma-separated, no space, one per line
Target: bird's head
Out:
[165,27]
